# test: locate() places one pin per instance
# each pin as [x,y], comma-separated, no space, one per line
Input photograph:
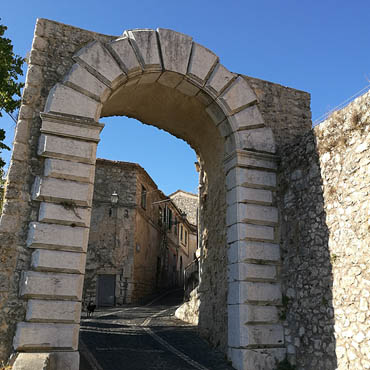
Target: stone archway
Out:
[166,79]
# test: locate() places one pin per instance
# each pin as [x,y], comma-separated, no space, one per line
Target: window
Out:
[143,197]
[186,238]
[181,232]
[160,216]
[175,225]
[169,219]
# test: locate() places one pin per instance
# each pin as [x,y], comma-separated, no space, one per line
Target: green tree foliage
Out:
[10,90]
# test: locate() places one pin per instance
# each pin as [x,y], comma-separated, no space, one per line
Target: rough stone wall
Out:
[324,200]
[112,229]
[188,203]
[51,57]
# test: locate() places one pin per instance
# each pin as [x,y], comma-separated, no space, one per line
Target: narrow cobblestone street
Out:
[145,337]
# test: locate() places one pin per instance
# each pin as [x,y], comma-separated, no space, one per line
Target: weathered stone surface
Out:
[248,177]
[51,285]
[71,129]
[201,63]
[71,193]
[80,79]
[68,170]
[63,99]
[37,336]
[64,214]
[63,148]
[250,159]
[237,96]
[252,359]
[97,58]
[258,214]
[145,43]
[243,251]
[219,79]
[58,261]
[47,361]
[257,139]
[247,292]
[170,79]
[147,78]
[249,117]
[176,49]
[126,56]
[60,237]
[216,113]
[251,272]
[53,311]
[187,88]
[241,194]
[241,231]
[255,335]
[242,314]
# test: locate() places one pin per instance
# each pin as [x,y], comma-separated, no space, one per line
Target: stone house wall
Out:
[324,203]
[188,203]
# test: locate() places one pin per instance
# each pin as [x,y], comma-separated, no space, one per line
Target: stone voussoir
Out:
[220,79]
[97,59]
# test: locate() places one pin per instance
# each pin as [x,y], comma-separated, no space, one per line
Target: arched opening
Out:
[164,79]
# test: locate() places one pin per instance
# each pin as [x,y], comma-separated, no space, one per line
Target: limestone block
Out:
[9,223]
[63,99]
[259,335]
[216,113]
[60,237]
[147,78]
[71,129]
[64,215]
[47,361]
[170,79]
[205,98]
[201,63]
[250,177]
[126,56]
[176,49]
[71,193]
[32,361]
[249,159]
[257,139]
[253,251]
[68,170]
[59,261]
[255,213]
[219,79]
[252,359]
[239,315]
[250,195]
[96,57]
[237,96]
[249,117]
[80,79]
[63,148]
[224,128]
[187,88]
[242,231]
[254,292]
[251,272]
[20,151]
[53,311]
[51,285]
[145,44]
[40,336]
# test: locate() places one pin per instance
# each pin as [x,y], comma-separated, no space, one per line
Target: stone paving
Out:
[145,337]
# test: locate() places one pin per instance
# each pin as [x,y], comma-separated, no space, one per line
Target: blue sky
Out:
[321,47]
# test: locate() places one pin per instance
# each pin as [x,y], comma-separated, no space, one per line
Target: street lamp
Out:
[114,198]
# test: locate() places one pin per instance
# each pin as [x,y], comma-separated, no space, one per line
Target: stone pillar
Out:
[53,286]
[255,336]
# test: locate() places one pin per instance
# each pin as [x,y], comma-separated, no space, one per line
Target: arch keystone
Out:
[176,49]
[145,44]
